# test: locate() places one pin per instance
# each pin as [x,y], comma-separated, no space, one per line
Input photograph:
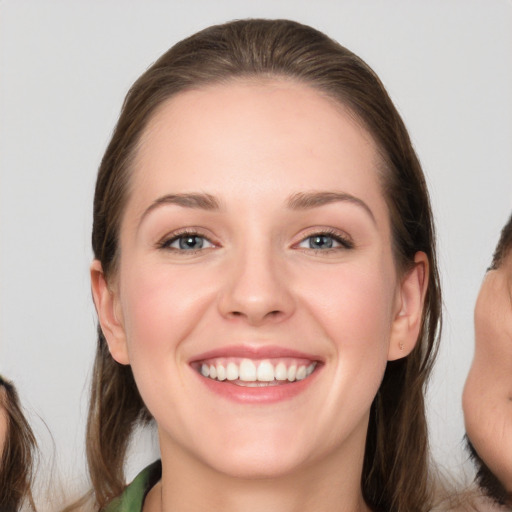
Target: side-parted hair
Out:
[17,457]
[395,473]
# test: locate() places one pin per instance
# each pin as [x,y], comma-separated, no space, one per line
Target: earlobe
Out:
[409,310]
[106,302]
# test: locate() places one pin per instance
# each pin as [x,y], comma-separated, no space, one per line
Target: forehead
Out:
[255,136]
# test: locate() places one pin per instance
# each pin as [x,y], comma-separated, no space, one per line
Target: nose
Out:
[256,289]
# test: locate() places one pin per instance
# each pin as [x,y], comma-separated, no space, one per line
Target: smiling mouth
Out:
[256,373]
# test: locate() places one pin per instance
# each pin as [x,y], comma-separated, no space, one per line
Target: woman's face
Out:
[256,297]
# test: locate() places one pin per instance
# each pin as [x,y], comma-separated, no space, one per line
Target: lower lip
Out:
[258,395]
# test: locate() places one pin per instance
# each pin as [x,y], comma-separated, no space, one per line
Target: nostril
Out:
[270,314]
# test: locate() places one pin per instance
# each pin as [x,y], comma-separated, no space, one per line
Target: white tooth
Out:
[291,372]
[221,372]
[213,372]
[310,369]
[232,371]
[247,370]
[253,384]
[301,373]
[265,371]
[281,372]
[205,370]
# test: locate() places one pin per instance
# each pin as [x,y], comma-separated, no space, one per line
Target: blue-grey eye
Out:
[187,242]
[325,241]
[190,242]
[321,242]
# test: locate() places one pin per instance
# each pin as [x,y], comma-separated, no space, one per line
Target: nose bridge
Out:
[255,287]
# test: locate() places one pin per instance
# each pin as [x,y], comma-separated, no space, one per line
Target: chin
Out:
[259,466]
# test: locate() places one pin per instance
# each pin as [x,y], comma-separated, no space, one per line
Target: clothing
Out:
[133,496]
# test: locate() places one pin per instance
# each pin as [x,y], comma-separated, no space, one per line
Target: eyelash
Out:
[166,242]
[345,243]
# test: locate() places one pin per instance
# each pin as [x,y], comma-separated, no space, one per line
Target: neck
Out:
[332,485]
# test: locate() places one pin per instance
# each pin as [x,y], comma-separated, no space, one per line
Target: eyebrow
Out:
[298,201]
[309,200]
[200,201]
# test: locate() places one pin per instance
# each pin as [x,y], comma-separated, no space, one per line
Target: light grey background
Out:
[64,69]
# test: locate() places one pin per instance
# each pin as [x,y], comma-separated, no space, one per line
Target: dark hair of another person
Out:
[395,473]
[486,479]
[17,459]
[504,246]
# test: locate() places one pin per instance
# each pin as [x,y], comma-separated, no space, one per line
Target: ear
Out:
[108,309]
[409,309]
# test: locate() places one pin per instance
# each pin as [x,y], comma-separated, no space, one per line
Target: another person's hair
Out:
[395,473]
[486,479]
[17,457]
[504,246]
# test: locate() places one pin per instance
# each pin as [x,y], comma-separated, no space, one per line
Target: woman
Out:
[265,280]
[17,450]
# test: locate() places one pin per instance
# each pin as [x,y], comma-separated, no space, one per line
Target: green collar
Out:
[133,496]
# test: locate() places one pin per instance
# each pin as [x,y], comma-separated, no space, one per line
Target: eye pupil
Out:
[189,242]
[321,242]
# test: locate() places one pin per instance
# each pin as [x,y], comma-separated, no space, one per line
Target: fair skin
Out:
[487,399]
[286,260]
[4,421]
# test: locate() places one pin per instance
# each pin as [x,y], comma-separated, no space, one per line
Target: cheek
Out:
[353,303]
[354,306]
[161,306]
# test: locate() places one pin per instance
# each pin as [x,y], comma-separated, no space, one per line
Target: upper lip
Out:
[255,352]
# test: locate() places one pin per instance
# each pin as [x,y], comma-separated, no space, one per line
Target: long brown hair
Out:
[395,473]
[17,456]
